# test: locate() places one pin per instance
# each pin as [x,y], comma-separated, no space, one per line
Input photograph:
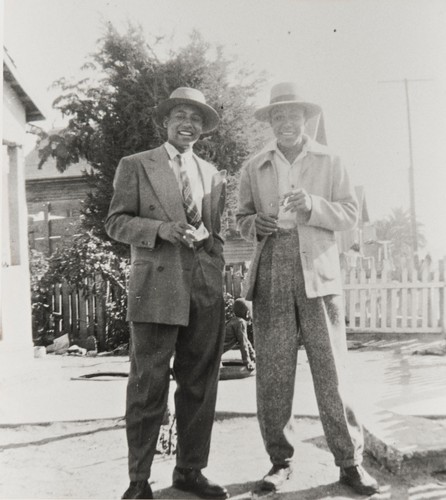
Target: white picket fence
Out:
[408,300]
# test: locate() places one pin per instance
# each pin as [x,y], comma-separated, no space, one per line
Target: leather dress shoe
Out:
[192,480]
[138,489]
[359,480]
[275,478]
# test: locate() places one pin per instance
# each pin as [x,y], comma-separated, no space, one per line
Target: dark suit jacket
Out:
[147,194]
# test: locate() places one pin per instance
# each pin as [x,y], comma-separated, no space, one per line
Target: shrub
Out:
[87,263]
[43,332]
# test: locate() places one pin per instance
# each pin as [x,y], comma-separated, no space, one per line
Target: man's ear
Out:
[165,121]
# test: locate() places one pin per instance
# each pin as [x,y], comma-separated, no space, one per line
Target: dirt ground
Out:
[87,460]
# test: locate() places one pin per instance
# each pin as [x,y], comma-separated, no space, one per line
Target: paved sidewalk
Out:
[88,461]
[84,445]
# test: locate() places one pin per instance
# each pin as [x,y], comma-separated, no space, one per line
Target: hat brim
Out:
[210,116]
[263,114]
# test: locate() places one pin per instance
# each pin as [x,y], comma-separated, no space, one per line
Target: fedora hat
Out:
[286,93]
[193,97]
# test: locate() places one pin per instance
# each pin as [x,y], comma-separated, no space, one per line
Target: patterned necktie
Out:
[192,214]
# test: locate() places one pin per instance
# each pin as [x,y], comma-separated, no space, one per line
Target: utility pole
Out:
[413,218]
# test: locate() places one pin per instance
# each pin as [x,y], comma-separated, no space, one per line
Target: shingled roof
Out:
[49,170]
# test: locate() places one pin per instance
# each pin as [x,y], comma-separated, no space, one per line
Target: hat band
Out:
[286,97]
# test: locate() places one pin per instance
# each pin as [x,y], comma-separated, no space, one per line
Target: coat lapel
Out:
[314,148]
[164,183]
[268,189]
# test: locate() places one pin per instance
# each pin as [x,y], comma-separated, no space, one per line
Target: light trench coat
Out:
[334,208]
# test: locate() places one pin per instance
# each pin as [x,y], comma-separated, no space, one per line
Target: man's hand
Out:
[265,224]
[177,233]
[297,201]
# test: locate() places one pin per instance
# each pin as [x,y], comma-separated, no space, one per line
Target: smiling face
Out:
[184,126]
[288,124]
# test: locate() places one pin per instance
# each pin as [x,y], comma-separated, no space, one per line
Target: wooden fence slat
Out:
[352,300]
[82,318]
[404,293]
[56,303]
[102,291]
[66,314]
[442,295]
[90,309]
[434,301]
[362,301]
[344,278]
[424,299]
[414,298]
[373,298]
[74,308]
[228,281]
[383,322]
[393,308]
[236,280]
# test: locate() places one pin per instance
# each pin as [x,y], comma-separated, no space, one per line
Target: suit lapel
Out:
[212,185]
[218,186]
[164,183]
[207,188]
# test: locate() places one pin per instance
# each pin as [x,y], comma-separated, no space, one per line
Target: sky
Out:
[349,56]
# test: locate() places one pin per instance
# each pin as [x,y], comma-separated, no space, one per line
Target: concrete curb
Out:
[405,444]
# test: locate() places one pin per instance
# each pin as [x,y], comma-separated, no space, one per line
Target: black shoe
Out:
[138,489]
[275,478]
[193,480]
[359,480]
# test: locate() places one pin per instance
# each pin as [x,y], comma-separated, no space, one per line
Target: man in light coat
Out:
[293,196]
[167,205]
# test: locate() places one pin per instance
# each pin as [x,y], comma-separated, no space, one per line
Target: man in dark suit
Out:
[167,205]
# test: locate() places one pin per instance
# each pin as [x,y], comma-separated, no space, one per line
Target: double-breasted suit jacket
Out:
[146,195]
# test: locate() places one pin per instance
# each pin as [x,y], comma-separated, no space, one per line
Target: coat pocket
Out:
[326,260]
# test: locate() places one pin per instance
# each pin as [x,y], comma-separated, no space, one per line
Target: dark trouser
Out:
[280,308]
[197,348]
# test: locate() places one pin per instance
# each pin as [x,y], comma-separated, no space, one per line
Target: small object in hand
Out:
[190,237]
[284,201]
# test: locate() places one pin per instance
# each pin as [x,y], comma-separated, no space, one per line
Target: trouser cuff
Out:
[281,460]
[196,466]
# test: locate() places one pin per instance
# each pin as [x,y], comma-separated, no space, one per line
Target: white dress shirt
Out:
[196,181]
[287,180]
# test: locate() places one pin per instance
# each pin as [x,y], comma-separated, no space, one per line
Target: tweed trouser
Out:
[280,309]
[198,348]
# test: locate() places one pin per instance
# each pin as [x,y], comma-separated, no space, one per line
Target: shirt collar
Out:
[274,147]
[310,146]
[173,152]
[302,153]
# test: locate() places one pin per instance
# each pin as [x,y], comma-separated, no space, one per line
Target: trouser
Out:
[197,348]
[280,309]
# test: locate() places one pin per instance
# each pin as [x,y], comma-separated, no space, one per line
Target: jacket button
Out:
[145,243]
[160,268]
[152,207]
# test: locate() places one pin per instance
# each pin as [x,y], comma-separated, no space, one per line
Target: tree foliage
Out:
[396,228]
[112,116]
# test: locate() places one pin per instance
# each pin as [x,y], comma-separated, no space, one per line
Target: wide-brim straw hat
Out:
[193,97]
[286,93]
